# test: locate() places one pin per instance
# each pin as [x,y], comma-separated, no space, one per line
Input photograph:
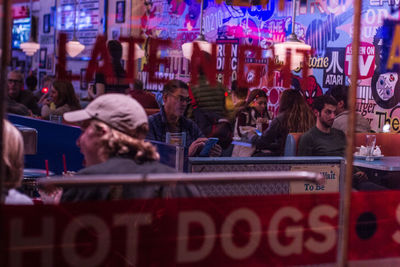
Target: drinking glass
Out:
[370,144]
[177,139]
[55,118]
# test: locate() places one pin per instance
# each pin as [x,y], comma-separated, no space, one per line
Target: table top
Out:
[384,164]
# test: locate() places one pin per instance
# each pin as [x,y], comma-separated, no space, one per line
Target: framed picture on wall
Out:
[120,12]
[42,58]
[84,85]
[46,23]
[21,65]
[42,74]
[49,65]
[14,63]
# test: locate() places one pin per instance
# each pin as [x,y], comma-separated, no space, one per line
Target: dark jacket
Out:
[125,166]
[158,128]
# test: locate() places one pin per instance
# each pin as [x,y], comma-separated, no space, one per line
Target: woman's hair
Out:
[66,94]
[115,50]
[116,143]
[298,115]
[13,155]
[254,94]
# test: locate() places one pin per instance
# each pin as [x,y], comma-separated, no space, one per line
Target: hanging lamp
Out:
[292,44]
[74,47]
[187,48]
[30,47]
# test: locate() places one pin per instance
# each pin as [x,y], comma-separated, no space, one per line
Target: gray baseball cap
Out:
[119,111]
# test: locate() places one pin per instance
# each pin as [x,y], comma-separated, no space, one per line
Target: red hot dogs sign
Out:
[232,231]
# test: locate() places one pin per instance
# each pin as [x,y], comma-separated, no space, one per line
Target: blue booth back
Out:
[54,140]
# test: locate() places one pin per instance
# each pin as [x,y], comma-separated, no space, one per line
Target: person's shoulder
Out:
[155,117]
[155,167]
[337,132]
[15,197]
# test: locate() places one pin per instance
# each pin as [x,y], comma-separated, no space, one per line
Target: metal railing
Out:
[284,176]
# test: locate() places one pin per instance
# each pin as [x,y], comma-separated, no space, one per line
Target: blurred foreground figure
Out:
[112,141]
[13,160]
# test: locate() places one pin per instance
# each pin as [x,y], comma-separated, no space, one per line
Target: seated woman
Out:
[62,98]
[294,116]
[13,160]
[253,115]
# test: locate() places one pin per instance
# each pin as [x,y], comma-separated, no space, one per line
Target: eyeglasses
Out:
[181,99]
[14,81]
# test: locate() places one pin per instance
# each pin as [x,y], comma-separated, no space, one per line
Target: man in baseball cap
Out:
[112,141]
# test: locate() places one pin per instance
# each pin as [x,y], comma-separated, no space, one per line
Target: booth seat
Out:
[388,143]
[151,111]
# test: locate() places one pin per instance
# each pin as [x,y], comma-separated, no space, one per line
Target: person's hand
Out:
[196,146]
[216,151]
[46,101]
[359,177]
[43,98]
[51,195]
[262,120]
[91,94]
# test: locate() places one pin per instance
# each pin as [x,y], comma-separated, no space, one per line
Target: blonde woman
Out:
[13,160]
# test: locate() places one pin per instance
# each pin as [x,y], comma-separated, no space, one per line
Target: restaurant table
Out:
[384,171]
[391,164]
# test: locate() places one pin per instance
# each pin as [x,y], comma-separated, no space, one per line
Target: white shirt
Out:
[16,198]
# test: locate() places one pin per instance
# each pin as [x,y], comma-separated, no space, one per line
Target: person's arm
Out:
[270,138]
[241,121]
[33,106]
[100,89]
[45,112]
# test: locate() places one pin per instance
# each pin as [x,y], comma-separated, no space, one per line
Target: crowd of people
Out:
[116,129]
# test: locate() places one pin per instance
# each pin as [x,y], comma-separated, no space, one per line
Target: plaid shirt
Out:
[158,128]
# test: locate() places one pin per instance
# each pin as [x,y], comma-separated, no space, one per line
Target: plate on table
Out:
[364,157]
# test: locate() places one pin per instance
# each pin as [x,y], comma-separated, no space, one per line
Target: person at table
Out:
[294,116]
[171,119]
[61,99]
[13,162]
[16,92]
[116,84]
[323,140]
[112,142]
[340,93]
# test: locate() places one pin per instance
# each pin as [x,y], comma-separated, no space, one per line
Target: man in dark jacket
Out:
[16,92]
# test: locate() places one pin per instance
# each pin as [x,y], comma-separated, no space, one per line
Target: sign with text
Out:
[231,231]
[332,177]
[223,231]
[366,60]
[334,72]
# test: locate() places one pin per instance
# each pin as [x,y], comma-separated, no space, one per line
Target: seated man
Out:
[112,141]
[16,93]
[171,119]
[323,140]
[340,93]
